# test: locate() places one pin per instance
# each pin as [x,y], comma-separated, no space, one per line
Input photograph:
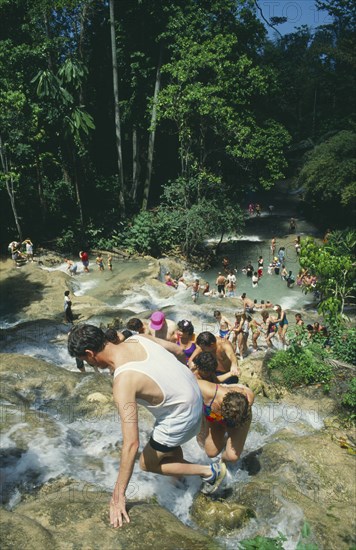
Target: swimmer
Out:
[68,308]
[195,290]
[282,323]
[85,260]
[185,337]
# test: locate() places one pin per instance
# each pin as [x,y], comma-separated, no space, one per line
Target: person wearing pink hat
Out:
[160,327]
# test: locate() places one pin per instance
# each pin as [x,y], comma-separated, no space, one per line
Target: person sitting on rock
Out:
[169,280]
[227,411]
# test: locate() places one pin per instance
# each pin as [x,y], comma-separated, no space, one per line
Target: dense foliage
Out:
[300,365]
[334,265]
[316,360]
[201,95]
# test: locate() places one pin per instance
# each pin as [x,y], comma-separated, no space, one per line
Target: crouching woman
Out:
[227,411]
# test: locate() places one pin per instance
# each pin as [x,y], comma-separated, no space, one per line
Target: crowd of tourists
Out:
[190,384]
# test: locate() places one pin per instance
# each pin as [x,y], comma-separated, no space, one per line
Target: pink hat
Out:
[157,320]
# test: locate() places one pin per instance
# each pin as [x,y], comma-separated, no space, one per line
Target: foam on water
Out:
[233,238]
[82,287]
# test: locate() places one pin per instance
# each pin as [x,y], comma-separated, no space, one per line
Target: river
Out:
[85,449]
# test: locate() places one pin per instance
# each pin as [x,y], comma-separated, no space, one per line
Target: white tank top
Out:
[178,416]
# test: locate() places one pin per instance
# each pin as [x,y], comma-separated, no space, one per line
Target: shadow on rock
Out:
[17,292]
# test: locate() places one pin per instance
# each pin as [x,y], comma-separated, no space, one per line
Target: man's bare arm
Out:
[125,399]
[191,358]
[169,346]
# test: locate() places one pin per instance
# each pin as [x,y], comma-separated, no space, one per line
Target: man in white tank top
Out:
[147,373]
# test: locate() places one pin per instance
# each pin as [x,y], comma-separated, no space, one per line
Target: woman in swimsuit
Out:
[282,323]
[256,333]
[269,327]
[241,331]
[226,410]
[185,337]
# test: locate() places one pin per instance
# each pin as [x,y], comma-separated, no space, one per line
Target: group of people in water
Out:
[190,385]
[72,267]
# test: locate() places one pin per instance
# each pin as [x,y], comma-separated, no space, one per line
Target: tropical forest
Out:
[178,274]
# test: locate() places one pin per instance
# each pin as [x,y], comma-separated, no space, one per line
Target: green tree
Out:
[334,265]
[214,94]
[330,172]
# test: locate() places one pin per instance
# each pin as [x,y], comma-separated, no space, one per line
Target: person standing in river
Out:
[220,283]
[145,372]
[100,262]
[109,262]
[85,260]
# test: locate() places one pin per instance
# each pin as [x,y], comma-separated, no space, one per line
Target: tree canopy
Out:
[200,95]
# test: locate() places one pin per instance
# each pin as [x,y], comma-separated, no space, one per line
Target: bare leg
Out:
[235,442]
[170,464]
[215,439]
[255,337]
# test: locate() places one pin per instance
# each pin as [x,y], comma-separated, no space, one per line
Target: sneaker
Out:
[218,475]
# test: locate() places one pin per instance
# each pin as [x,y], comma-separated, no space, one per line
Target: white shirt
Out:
[178,416]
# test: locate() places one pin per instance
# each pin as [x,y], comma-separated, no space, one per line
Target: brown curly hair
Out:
[235,409]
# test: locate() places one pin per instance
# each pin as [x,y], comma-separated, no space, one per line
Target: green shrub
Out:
[263,543]
[141,235]
[68,241]
[343,342]
[349,399]
[300,365]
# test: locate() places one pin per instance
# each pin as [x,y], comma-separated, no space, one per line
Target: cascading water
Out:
[88,449]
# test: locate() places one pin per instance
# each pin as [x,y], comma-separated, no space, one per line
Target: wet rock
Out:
[18,531]
[28,382]
[97,397]
[298,477]
[68,516]
[218,516]
[175,267]
[253,375]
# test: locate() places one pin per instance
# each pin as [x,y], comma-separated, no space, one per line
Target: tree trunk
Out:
[43,202]
[9,182]
[77,192]
[135,164]
[48,36]
[117,110]
[217,249]
[152,134]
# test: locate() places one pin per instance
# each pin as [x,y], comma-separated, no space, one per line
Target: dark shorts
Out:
[232,380]
[221,288]
[161,448]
